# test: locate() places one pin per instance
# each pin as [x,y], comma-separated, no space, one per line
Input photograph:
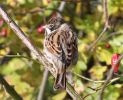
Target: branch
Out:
[88,79]
[10,89]
[99,88]
[33,49]
[101,81]
[105,11]
[111,71]
[24,38]
[61,8]
[43,8]
[111,35]
[43,85]
[105,5]
[19,56]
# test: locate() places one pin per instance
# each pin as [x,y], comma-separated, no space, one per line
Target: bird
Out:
[60,49]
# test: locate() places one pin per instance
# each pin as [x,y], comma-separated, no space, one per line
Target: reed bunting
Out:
[60,48]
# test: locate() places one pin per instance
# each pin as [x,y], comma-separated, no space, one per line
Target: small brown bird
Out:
[60,48]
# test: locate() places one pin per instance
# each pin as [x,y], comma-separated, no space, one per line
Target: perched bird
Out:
[60,48]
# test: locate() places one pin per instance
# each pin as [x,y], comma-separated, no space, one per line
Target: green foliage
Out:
[87,20]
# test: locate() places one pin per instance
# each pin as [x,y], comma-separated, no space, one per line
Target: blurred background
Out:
[87,20]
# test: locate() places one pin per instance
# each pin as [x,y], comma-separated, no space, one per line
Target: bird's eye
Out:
[51,25]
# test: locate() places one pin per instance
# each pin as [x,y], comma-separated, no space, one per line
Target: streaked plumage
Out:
[60,48]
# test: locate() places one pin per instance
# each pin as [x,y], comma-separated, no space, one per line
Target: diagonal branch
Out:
[106,26]
[10,89]
[34,50]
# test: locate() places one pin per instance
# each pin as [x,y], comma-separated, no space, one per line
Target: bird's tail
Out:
[60,82]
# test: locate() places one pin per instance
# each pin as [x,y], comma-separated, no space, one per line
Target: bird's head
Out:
[53,24]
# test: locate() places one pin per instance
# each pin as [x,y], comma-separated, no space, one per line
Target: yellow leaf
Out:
[45,2]
[97,72]
[4,51]
[59,96]
[25,29]
[12,2]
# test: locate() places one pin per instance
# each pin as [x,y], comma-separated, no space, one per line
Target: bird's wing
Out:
[69,46]
[52,44]
[63,45]
[75,49]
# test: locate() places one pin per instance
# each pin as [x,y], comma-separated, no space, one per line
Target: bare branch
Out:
[105,11]
[10,89]
[90,80]
[61,7]
[101,81]
[43,85]
[33,49]
[98,39]
[105,5]
[111,35]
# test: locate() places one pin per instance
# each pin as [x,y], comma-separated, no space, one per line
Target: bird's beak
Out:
[46,28]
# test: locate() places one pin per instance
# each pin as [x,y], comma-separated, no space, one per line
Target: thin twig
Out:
[101,81]
[108,78]
[44,8]
[85,78]
[31,47]
[111,34]
[99,88]
[19,56]
[10,90]
[105,11]
[43,85]
[60,9]
[105,5]
[73,94]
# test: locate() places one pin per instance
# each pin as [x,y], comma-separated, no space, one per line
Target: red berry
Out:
[107,45]
[48,1]
[113,62]
[40,29]
[4,33]
[1,22]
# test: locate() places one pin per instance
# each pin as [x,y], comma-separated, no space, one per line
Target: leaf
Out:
[79,87]
[20,86]
[97,72]
[59,96]
[13,65]
[81,66]
[104,55]
[112,93]
[117,44]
